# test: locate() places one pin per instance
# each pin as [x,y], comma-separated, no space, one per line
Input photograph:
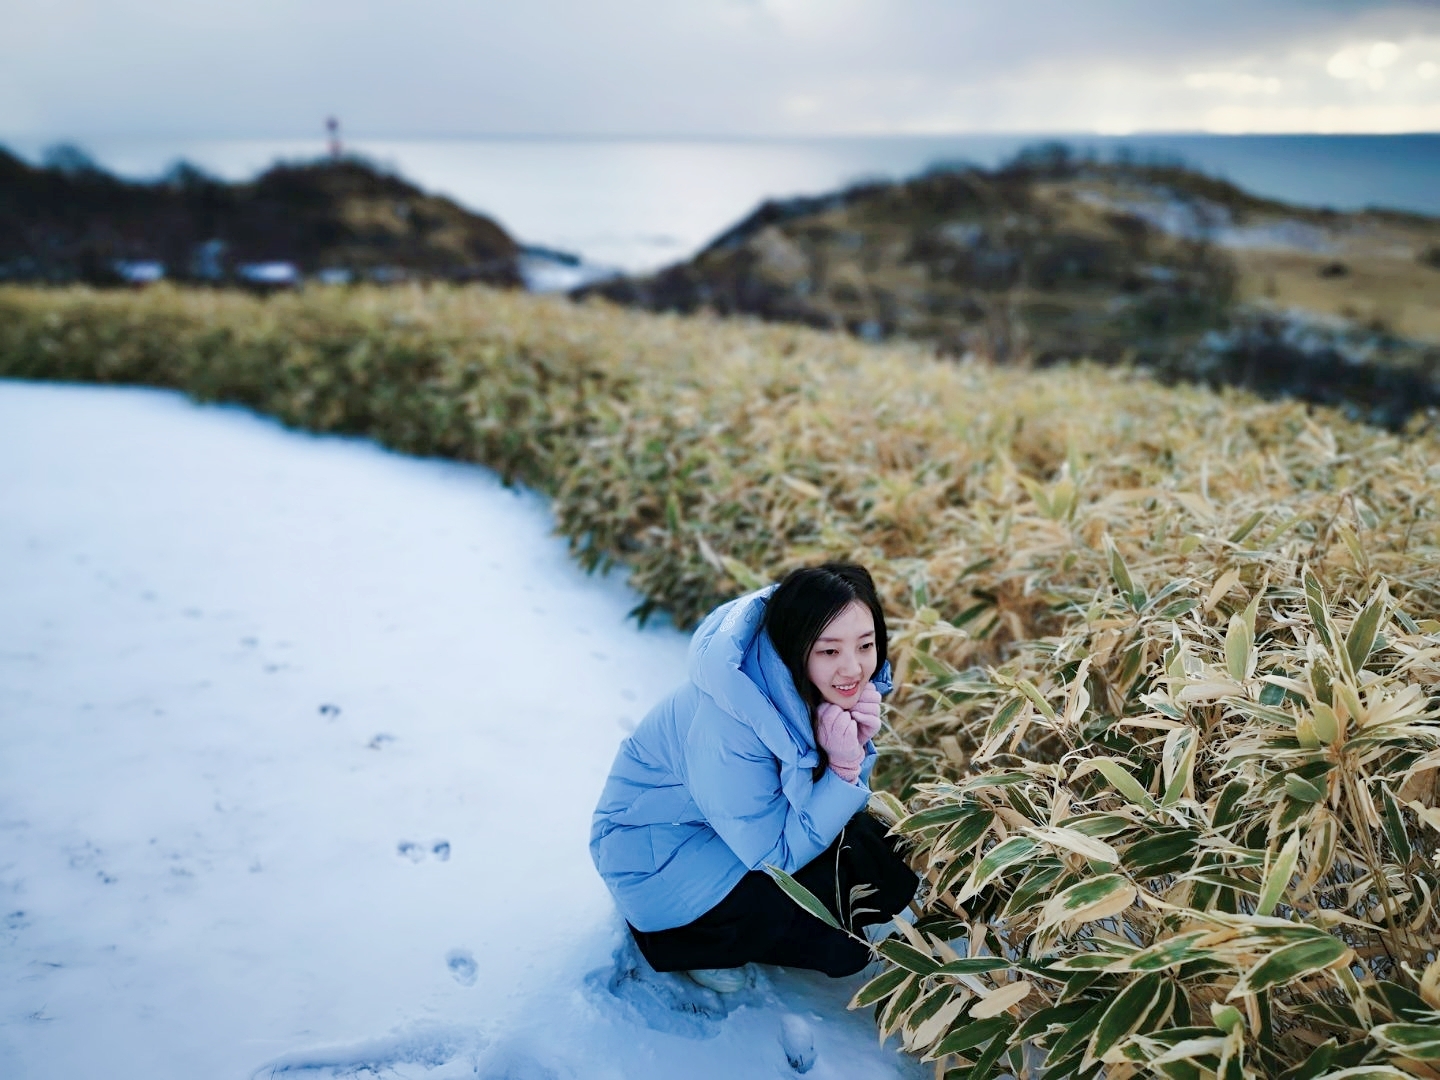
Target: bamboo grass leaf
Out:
[1277,876]
[930,1029]
[1186,1051]
[801,895]
[985,1064]
[973,965]
[1078,1033]
[1125,1013]
[1316,605]
[1178,763]
[1319,1060]
[937,815]
[1165,954]
[1076,841]
[1417,1042]
[969,1036]
[1247,527]
[1307,791]
[885,806]
[1368,1072]
[908,957]
[1119,778]
[1223,585]
[745,577]
[898,1007]
[1395,828]
[1098,825]
[1361,638]
[1000,1000]
[1119,572]
[1292,962]
[1252,610]
[1327,726]
[1032,692]
[1095,898]
[1227,1018]
[1352,543]
[880,987]
[997,860]
[1239,640]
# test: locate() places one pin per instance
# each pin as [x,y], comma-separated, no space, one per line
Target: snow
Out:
[545,271]
[1195,218]
[139,271]
[270,273]
[299,741]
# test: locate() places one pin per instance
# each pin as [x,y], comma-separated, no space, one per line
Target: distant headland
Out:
[337,219]
[1053,257]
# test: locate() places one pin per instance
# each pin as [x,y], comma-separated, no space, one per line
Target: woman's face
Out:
[843,657]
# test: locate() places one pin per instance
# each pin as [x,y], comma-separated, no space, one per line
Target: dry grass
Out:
[1395,290]
[1169,658]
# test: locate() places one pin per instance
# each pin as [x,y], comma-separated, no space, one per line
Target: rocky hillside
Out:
[1049,258]
[70,221]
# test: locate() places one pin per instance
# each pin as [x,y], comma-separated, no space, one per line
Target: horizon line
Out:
[382,136]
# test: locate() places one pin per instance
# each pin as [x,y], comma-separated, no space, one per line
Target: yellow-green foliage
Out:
[1166,743]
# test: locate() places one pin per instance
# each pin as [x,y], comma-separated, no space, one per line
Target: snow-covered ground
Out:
[299,741]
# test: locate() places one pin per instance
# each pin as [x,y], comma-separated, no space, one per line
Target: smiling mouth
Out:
[847,689]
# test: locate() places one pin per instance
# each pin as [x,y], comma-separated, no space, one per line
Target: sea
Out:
[636,204]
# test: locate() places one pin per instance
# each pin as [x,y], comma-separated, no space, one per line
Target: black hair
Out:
[803,605]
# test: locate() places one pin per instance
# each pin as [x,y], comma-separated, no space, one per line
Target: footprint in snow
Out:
[663,1001]
[462,966]
[798,1042]
[416,852]
[427,1046]
[86,858]
[513,1064]
[13,924]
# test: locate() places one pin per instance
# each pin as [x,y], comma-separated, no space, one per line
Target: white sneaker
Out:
[721,980]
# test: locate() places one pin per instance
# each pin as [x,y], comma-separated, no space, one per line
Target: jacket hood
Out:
[733,661]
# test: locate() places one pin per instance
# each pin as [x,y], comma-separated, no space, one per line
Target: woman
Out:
[760,760]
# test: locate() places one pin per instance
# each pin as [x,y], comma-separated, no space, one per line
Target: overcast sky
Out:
[74,69]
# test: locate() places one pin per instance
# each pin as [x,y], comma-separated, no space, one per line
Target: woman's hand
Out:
[866,712]
[839,737]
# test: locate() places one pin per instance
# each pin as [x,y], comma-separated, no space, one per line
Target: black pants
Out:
[758,923]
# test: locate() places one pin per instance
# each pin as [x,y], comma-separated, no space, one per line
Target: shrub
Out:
[1198,837]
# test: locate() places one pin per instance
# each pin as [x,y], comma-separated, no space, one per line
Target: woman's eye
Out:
[868,645]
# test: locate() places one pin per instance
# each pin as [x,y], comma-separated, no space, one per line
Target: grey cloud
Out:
[436,67]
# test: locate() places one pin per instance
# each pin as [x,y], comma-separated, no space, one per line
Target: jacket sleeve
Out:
[767,811]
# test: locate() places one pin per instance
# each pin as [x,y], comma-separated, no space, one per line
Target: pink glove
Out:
[835,731]
[866,712]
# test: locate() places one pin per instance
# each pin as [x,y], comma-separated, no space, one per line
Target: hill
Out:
[71,221]
[1049,258]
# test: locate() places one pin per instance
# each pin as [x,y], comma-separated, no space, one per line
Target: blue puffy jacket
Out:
[718,779]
